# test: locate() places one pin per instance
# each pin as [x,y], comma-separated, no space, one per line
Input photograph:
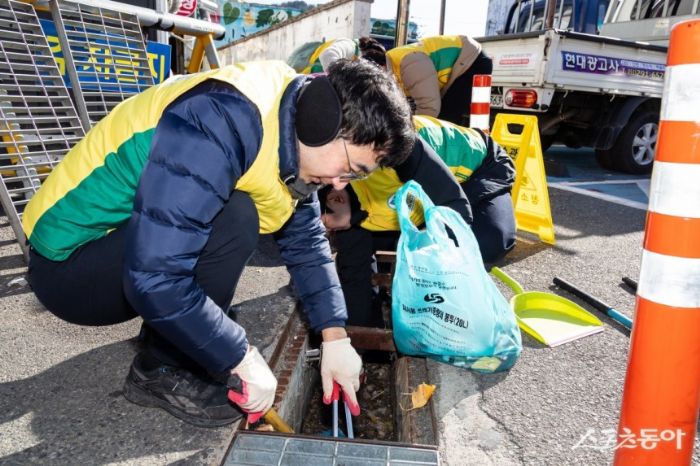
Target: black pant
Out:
[493,227]
[86,288]
[457,101]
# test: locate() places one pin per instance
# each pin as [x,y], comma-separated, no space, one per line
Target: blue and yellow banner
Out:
[110,63]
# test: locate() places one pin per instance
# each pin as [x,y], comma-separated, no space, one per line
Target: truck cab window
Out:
[684,7]
[528,18]
[565,18]
[602,10]
[648,9]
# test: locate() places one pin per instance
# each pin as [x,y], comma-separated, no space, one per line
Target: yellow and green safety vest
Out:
[92,190]
[462,149]
[443,51]
[315,66]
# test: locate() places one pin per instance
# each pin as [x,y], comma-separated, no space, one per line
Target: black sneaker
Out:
[189,397]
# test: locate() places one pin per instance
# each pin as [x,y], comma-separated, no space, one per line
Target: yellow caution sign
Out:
[520,137]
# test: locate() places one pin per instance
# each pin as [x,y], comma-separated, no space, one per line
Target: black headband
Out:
[319,113]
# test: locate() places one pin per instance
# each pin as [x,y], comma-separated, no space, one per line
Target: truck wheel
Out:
[633,151]
[546,142]
[605,159]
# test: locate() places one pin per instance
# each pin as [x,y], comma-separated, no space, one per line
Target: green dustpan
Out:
[548,318]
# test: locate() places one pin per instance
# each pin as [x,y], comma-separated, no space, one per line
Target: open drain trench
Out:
[386,432]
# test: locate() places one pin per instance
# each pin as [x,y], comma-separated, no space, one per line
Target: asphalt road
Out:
[60,385]
[557,406]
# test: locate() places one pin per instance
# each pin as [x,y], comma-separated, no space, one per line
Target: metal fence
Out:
[38,123]
[52,92]
[105,56]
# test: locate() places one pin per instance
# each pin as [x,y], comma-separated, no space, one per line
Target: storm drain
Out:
[251,448]
[390,430]
[105,54]
[387,432]
[38,123]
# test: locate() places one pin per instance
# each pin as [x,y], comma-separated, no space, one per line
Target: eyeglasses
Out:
[353,175]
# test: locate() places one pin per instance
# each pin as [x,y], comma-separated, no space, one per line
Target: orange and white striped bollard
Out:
[662,389]
[481,102]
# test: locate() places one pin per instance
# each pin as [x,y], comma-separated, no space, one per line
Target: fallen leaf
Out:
[421,395]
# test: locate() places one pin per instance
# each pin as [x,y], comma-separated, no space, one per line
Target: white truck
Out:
[586,89]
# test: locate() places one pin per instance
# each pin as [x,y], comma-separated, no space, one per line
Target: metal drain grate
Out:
[105,55]
[38,123]
[251,448]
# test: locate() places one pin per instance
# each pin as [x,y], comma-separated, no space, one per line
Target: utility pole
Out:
[442,17]
[401,23]
[549,13]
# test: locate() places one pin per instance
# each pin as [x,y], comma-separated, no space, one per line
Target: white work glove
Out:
[258,385]
[341,365]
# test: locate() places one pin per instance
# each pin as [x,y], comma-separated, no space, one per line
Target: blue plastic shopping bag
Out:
[444,304]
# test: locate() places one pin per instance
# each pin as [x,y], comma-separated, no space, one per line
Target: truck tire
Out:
[546,141]
[633,152]
[605,158]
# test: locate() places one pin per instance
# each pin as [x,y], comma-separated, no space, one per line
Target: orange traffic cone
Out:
[662,388]
[481,102]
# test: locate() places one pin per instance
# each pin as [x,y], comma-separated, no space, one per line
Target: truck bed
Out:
[570,61]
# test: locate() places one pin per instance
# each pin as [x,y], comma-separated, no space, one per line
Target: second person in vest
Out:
[437,72]
[447,160]
[317,57]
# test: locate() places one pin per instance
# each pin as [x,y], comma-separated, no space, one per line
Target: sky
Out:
[461,17]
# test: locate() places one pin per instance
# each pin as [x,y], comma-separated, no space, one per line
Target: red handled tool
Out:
[348,416]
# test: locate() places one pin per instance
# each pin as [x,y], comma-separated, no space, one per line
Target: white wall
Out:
[341,18]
